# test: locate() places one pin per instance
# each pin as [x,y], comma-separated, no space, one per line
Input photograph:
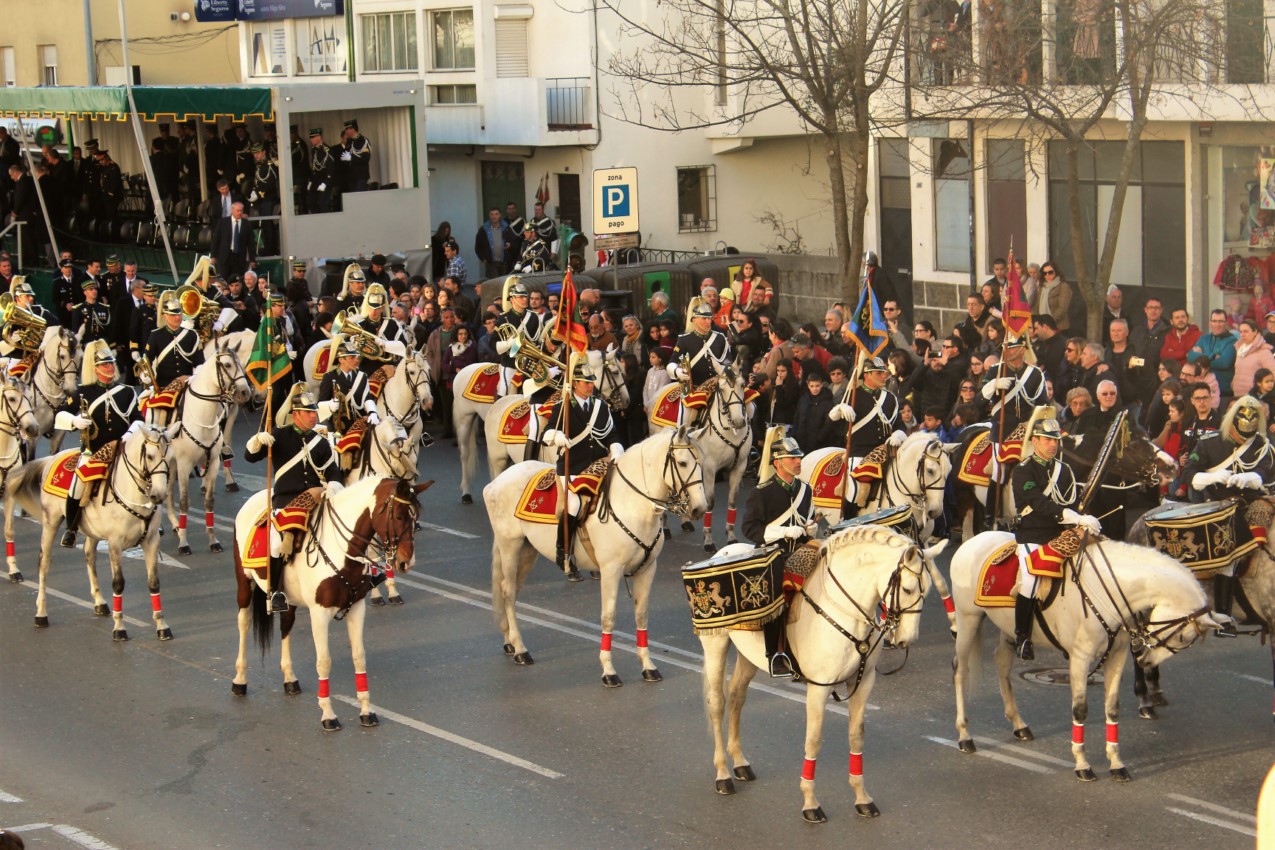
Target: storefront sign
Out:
[208,11]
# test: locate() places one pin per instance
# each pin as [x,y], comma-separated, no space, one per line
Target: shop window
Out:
[450,95]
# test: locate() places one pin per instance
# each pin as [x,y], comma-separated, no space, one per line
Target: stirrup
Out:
[278,602]
[1226,626]
[1023,649]
[780,666]
[68,539]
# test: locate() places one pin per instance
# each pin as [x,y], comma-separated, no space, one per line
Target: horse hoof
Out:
[744,773]
[652,675]
[814,815]
[952,632]
[239,690]
[292,688]
[1121,774]
[1159,699]
[183,550]
[524,659]
[332,725]
[376,602]
[1148,713]
[16,578]
[688,526]
[509,649]
[710,548]
[574,576]
[369,720]
[41,622]
[867,810]
[466,499]
[668,534]
[232,487]
[725,787]
[215,547]
[396,600]
[966,746]
[596,575]
[1086,775]
[164,634]
[101,610]
[1024,734]
[119,635]
[611,680]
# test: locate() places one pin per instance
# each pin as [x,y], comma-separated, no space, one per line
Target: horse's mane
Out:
[857,535]
[1164,571]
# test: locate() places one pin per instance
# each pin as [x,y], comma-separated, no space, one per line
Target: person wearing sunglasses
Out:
[1055,296]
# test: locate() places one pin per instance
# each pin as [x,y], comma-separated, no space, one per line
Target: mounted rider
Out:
[345,396]
[353,289]
[1046,495]
[1015,386]
[374,319]
[695,356]
[18,339]
[516,327]
[535,255]
[1238,462]
[104,411]
[780,512]
[173,350]
[305,461]
[874,427]
[582,433]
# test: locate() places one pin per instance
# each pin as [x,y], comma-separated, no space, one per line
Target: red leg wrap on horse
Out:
[226,463]
[209,519]
[117,603]
[156,606]
[856,764]
[389,572]
[730,516]
[641,637]
[948,605]
[606,642]
[808,770]
[1113,733]
[708,520]
[181,521]
[8,548]
[1077,733]
[360,682]
[323,689]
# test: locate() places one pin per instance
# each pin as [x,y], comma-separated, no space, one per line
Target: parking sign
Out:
[615,200]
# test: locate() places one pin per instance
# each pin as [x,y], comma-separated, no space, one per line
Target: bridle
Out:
[227,380]
[727,396]
[896,483]
[414,385]
[141,476]
[677,484]
[15,413]
[613,375]
[57,376]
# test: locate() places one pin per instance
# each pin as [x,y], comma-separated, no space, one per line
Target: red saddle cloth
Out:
[483,384]
[976,463]
[826,482]
[377,382]
[997,578]
[321,362]
[539,499]
[353,436]
[255,552]
[668,407]
[57,480]
[165,399]
[513,424]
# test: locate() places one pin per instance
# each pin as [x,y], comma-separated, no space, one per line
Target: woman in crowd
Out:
[438,260]
[1251,353]
[784,394]
[1078,401]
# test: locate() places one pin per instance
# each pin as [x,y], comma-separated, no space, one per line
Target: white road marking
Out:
[9,798]
[1243,830]
[134,552]
[1024,751]
[84,603]
[1004,759]
[1213,807]
[459,740]
[77,836]
[464,534]
[1252,678]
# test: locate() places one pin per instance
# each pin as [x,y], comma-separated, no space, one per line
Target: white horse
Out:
[385,453]
[239,343]
[1110,591]
[51,379]
[835,633]
[215,389]
[467,415]
[405,397]
[663,472]
[310,361]
[18,425]
[364,525]
[123,514]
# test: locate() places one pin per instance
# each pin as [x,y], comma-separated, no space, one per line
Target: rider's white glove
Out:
[554,437]
[81,422]
[327,408]
[1088,523]
[795,532]
[252,196]
[1245,481]
[1204,480]
[617,451]
[682,374]
[896,439]
[323,187]
[503,345]
[812,528]
[218,326]
[345,156]
[373,419]
[257,441]
[841,412]
[137,356]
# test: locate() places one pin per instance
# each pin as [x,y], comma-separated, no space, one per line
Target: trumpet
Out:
[142,369]
[369,344]
[24,327]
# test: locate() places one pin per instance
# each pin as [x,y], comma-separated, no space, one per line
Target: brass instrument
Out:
[90,433]
[685,364]
[145,373]
[24,327]
[535,364]
[200,311]
[369,344]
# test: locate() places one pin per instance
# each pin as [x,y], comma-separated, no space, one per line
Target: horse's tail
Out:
[24,485]
[262,622]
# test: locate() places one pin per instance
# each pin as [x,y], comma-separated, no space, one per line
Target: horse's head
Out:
[392,437]
[59,354]
[393,519]
[232,380]
[904,593]
[611,385]
[16,414]
[146,459]
[925,464]
[730,394]
[416,373]
[683,475]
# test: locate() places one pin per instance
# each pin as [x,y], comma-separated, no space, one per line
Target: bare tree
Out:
[822,59]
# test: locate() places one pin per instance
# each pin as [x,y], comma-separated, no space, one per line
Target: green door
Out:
[503,182]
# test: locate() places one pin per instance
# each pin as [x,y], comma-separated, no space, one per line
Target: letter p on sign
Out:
[615,201]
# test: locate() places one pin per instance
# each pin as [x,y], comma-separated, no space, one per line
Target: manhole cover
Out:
[1055,676]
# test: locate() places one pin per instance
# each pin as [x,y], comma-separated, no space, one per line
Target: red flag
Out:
[1017,314]
[566,328]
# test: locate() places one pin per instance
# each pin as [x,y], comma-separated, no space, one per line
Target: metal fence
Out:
[570,103]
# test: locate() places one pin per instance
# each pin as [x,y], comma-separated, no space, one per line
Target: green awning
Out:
[153,102]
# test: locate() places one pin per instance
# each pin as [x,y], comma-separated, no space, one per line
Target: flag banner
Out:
[269,360]
[567,328]
[867,325]
[1017,314]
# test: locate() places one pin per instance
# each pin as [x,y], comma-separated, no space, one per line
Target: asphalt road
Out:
[141,744]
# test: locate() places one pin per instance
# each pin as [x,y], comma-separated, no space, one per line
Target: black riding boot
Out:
[72,521]
[780,664]
[278,603]
[1024,611]
[1223,596]
[568,524]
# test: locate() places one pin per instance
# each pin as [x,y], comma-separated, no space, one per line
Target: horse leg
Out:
[715,649]
[732,495]
[232,486]
[816,699]
[1111,709]
[10,505]
[118,632]
[1079,672]
[210,496]
[1146,708]
[391,589]
[244,587]
[1154,693]
[463,423]
[945,594]
[610,589]
[736,695]
[1004,664]
[47,533]
[320,620]
[858,706]
[641,605]
[510,562]
[178,506]
[90,564]
[287,620]
[150,553]
[709,546]
[968,642]
[358,654]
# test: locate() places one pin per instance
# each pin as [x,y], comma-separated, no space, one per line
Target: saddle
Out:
[167,398]
[350,445]
[667,410]
[998,575]
[376,381]
[512,429]
[539,500]
[483,385]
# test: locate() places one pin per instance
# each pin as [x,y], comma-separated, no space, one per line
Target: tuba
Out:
[369,344]
[24,327]
[535,364]
[200,311]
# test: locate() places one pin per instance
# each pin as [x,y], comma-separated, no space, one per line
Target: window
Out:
[269,49]
[511,47]
[321,47]
[389,42]
[452,94]
[696,199]
[952,224]
[1006,197]
[7,66]
[453,39]
[49,64]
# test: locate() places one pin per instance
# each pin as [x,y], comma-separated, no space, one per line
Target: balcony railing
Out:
[569,103]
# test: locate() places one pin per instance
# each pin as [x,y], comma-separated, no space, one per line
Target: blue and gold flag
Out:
[867,326]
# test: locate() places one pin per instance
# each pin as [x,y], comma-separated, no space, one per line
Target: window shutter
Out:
[511,48]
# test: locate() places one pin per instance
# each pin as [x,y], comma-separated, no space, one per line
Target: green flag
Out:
[269,360]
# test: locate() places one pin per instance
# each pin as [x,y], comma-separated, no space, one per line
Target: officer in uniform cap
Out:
[87,177]
[304,459]
[581,433]
[322,182]
[102,410]
[110,185]
[92,319]
[24,297]
[64,291]
[1017,386]
[1046,495]
[695,353]
[874,422]
[1236,463]
[779,512]
[527,326]
[300,165]
[535,253]
[143,320]
[356,396]
[112,280]
[385,328]
[265,180]
[356,158]
[173,350]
